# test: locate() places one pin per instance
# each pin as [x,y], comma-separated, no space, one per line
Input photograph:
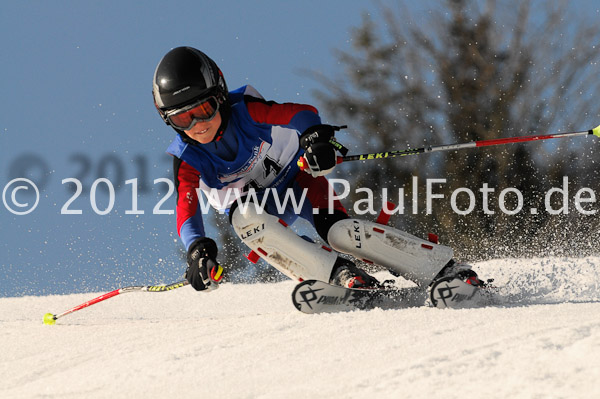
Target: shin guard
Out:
[282,248]
[410,257]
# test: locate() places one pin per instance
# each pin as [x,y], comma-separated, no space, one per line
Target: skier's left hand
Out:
[319,151]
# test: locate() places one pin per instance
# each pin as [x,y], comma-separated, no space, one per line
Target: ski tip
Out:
[596,131]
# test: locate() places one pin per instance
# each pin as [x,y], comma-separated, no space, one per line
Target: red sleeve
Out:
[187,180]
[274,113]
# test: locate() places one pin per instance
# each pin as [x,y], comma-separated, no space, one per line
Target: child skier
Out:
[237,141]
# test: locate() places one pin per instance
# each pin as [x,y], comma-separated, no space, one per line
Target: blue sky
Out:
[76,101]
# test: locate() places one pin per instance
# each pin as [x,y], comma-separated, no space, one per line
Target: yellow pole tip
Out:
[49,319]
[596,131]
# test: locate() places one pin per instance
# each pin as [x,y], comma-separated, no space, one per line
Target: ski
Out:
[313,296]
[455,293]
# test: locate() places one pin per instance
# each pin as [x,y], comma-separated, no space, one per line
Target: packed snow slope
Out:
[248,341]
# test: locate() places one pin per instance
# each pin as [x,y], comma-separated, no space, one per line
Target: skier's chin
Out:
[203,137]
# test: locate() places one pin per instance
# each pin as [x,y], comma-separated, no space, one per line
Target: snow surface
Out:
[247,341]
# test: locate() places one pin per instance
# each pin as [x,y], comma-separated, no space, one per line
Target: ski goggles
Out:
[185,118]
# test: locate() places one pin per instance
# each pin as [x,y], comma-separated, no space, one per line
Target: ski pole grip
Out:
[303,166]
[302,163]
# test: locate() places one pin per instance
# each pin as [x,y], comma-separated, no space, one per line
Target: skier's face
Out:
[204,132]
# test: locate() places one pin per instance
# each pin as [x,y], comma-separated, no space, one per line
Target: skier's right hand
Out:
[203,271]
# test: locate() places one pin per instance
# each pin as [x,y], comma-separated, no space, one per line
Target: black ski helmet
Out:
[186,75]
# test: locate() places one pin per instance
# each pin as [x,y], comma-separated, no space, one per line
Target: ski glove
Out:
[203,271]
[319,146]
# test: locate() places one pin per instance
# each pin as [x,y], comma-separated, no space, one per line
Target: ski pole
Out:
[456,146]
[50,318]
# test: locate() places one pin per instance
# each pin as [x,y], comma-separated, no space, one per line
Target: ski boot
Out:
[463,271]
[346,274]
